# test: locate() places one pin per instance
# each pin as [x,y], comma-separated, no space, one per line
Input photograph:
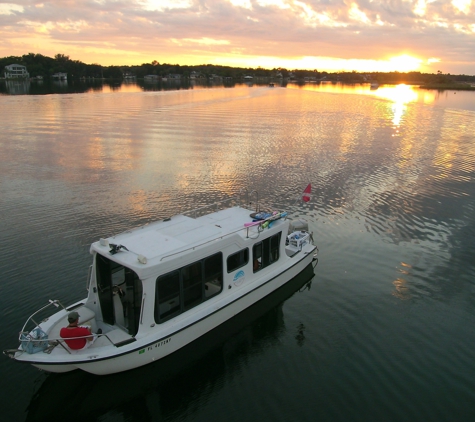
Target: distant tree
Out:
[61,58]
[284,72]
[39,65]
[113,72]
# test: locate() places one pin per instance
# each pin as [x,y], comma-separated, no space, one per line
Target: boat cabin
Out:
[178,263]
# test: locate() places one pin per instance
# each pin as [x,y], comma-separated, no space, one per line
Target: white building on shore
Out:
[16,71]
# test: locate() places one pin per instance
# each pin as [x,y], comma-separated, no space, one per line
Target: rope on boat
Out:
[11,352]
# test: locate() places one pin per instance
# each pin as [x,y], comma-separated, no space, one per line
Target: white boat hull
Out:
[154,289]
[144,351]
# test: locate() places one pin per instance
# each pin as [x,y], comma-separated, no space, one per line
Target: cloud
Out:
[232,31]
[10,8]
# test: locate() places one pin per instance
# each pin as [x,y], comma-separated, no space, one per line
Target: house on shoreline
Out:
[16,71]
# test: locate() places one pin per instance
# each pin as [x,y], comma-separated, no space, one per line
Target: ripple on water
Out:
[384,333]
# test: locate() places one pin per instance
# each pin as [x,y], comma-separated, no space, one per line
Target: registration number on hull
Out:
[158,344]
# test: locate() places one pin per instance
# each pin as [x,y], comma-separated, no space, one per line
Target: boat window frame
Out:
[211,279]
[175,310]
[243,260]
[266,252]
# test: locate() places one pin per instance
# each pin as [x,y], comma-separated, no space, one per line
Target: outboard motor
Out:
[298,225]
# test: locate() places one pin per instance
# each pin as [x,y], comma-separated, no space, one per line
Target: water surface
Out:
[386,330]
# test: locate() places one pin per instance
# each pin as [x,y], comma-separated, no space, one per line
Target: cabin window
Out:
[257,256]
[274,248]
[213,282]
[169,296]
[188,286]
[192,285]
[237,260]
[266,252]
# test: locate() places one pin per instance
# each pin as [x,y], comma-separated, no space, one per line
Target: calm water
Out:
[386,331]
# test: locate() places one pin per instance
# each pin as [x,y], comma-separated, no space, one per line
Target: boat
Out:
[60,76]
[151,78]
[212,350]
[374,85]
[156,288]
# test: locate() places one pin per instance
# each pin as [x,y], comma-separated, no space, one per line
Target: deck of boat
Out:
[164,238]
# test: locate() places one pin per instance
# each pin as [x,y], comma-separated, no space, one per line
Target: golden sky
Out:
[327,35]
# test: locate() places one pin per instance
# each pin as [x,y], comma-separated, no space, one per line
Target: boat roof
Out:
[161,240]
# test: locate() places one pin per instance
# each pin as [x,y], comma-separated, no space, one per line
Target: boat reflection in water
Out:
[167,386]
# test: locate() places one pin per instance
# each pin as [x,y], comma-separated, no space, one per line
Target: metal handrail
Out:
[53,342]
[214,239]
[51,302]
[61,340]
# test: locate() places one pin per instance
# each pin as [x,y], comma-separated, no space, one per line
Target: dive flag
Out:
[306,193]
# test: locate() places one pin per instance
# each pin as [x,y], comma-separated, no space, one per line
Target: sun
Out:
[405,63]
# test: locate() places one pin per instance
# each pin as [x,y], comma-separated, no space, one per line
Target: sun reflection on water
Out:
[400,95]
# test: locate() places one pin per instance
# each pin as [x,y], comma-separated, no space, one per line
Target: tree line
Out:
[39,65]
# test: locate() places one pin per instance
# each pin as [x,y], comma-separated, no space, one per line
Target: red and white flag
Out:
[307,193]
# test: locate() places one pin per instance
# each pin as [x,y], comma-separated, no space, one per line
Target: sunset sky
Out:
[327,35]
